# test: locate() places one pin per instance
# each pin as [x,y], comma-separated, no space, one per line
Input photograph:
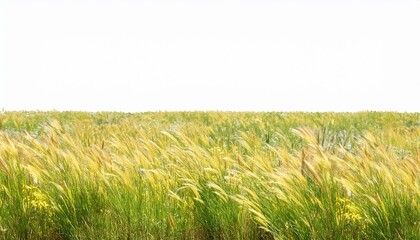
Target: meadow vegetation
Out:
[209,175]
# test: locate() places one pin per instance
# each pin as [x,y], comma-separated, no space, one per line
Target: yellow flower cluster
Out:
[36,201]
[348,212]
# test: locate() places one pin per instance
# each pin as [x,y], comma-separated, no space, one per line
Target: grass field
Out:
[209,175]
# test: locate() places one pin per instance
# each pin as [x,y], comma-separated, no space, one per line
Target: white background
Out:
[256,55]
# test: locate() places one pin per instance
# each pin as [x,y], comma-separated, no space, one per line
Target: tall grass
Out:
[209,175]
